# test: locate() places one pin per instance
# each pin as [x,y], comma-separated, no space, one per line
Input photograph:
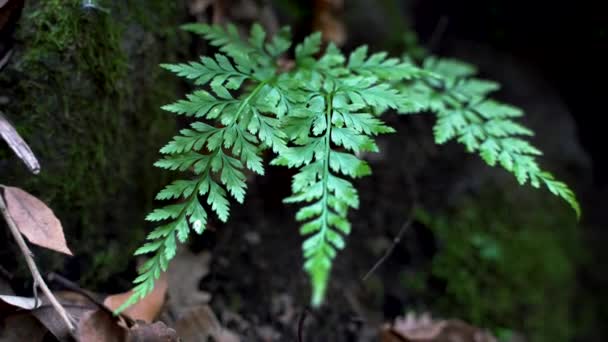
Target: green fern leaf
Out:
[218,149]
[486,126]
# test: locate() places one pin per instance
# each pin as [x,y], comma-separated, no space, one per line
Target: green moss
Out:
[508,263]
[85,92]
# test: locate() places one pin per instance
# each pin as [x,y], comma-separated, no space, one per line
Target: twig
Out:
[389,251]
[38,280]
[18,145]
[301,324]
[5,58]
[442,25]
[404,227]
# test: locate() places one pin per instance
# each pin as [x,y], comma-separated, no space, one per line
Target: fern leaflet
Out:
[217,154]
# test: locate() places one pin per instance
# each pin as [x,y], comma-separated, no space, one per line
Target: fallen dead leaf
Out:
[9,303]
[267,333]
[43,312]
[14,140]
[100,326]
[146,309]
[184,275]
[197,8]
[35,220]
[94,321]
[156,332]
[198,324]
[327,20]
[22,327]
[47,315]
[423,328]
[10,12]
[282,307]
[5,287]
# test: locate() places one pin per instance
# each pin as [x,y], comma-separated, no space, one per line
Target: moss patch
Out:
[85,92]
[506,262]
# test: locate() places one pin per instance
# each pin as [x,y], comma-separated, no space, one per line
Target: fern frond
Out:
[485,126]
[241,50]
[231,130]
[317,118]
[381,66]
[327,130]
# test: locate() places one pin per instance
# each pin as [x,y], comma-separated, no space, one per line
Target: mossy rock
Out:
[507,262]
[84,89]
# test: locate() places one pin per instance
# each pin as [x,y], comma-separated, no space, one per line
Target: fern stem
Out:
[326,163]
[319,284]
[245,102]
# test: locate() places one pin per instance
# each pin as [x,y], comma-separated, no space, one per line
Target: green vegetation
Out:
[317,117]
[506,265]
[71,90]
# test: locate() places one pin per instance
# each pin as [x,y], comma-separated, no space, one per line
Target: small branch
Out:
[38,280]
[5,58]
[438,33]
[404,227]
[389,251]
[301,324]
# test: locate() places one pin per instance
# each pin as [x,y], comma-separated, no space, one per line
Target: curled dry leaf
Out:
[200,323]
[20,321]
[14,140]
[48,316]
[16,314]
[146,309]
[10,12]
[35,220]
[327,20]
[198,8]
[22,327]
[156,332]
[422,328]
[13,303]
[100,326]
[184,277]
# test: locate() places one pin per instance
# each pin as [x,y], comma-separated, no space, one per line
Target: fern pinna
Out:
[317,118]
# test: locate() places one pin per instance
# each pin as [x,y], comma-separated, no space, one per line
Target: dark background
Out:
[566,41]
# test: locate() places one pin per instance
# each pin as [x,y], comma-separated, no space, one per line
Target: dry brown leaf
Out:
[327,20]
[5,287]
[22,327]
[48,316]
[10,11]
[184,276]
[146,309]
[50,320]
[199,7]
[14,140]
[35,220]
[422,328]
[156,332]
[198,324]
[16,302]
[94,322]
[100,326]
